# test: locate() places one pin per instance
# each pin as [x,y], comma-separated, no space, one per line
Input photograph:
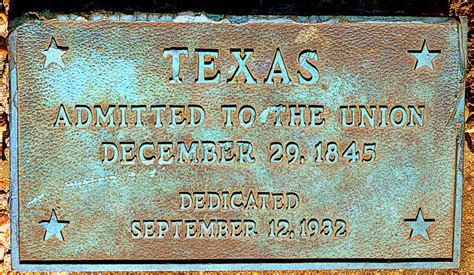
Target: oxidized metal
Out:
[262,143]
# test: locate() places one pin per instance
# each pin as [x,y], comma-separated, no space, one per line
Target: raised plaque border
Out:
[238,264]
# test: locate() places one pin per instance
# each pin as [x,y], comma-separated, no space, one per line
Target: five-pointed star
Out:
[419,226]
[424,57]
[54,54]
[53,227]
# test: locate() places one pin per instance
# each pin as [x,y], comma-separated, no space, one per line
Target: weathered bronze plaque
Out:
[154,142]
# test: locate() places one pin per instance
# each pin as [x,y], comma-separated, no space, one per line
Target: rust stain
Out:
[4,219]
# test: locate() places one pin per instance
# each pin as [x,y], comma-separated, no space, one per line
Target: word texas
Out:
[209,73]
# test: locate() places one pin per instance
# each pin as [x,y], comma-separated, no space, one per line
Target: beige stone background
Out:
[457,8]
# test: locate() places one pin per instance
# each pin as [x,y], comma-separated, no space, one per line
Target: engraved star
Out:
[424,57]
[54,54]
[419,226]
[53,227]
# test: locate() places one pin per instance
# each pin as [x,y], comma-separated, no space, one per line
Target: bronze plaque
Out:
[158,142]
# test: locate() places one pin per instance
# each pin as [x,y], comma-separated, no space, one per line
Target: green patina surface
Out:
[361,61]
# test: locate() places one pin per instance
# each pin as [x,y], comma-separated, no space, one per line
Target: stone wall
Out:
[5,256]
